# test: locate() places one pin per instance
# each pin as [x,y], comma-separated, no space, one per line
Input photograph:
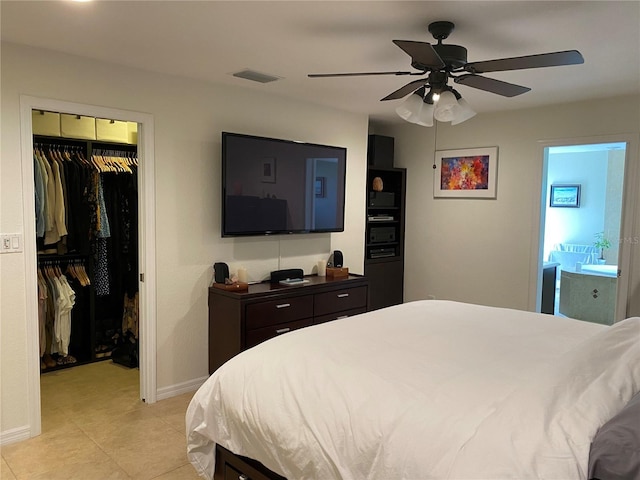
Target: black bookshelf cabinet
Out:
[385,228]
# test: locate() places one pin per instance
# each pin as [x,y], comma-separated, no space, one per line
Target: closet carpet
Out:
[94,427]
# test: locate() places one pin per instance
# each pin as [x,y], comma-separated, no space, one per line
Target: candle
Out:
[322,268]
[242,275]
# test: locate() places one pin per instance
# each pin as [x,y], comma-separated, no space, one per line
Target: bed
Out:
[427,389]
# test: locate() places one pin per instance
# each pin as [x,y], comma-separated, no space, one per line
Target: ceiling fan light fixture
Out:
[426,115]
[410,109]
[447,107]
[423,108]
[465,112]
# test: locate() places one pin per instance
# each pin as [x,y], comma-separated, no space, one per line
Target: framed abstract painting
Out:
[466,173]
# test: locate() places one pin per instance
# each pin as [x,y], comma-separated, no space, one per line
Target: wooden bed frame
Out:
[230,466]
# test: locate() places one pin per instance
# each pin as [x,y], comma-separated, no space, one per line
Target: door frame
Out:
[146,243]
[630,188]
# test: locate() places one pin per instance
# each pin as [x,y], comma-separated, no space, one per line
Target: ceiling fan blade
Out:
[422,54]
[492,85]
[355,74]
[555,59]
[406,90]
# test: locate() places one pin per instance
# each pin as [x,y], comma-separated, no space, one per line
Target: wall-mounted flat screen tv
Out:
[272,186]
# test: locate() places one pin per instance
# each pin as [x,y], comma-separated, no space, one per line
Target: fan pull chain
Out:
[435,143]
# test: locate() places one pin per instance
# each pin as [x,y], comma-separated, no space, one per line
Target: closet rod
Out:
[46,139]
[55,145]
[104,144]
[43,257]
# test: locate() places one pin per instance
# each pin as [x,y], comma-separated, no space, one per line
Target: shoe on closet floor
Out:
[48,361]
[103,351]
[66,360]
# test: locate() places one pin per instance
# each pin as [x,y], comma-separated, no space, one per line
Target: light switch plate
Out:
[11,243]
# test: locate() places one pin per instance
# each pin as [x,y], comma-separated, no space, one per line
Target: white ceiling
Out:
[209,40]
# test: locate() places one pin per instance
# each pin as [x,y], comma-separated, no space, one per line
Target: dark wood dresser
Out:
[241,320]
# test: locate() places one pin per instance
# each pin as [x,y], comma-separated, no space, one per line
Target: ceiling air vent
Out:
[256,76]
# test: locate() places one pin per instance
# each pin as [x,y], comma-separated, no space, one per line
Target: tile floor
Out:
[94,427]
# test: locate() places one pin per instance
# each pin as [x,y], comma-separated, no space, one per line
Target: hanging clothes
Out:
[130,317]
[56,205]
[103,232]
[40,197]
[64,303]
[61,177]
[56,301]
[42,311]
[50,197]
[86,206]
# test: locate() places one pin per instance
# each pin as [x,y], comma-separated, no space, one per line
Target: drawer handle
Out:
[283,305]
[243,477]
[342,295]
[282,330]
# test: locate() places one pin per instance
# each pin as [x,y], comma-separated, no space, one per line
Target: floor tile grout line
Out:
[9,467]
[169,471]
[171,425]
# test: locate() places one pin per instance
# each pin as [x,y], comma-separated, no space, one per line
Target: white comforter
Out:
[424,390]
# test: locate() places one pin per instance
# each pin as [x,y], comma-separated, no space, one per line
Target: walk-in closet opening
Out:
[86,199]
[89,253]
[86,206]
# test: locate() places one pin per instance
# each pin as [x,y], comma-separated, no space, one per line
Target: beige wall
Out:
[188,118]
[480,250]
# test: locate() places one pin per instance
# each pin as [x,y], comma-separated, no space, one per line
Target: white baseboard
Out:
[15,435]
[180,388]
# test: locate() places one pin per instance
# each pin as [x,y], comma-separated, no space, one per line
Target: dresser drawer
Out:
[258,335]
[264,314]
[339,300]
[338,315]
[231,473]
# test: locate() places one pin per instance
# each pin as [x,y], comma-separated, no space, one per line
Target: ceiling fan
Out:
[441,62]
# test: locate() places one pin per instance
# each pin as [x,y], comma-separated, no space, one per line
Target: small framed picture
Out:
[320,186]
[565,196]
[268,170]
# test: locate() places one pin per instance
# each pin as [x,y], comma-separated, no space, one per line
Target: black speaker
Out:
[289,273]
[380,151]
[220,272]
[337,259]
[382,199]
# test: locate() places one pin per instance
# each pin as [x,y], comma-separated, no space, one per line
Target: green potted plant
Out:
[602,243]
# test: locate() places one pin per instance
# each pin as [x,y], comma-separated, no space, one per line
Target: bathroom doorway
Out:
[581,231]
